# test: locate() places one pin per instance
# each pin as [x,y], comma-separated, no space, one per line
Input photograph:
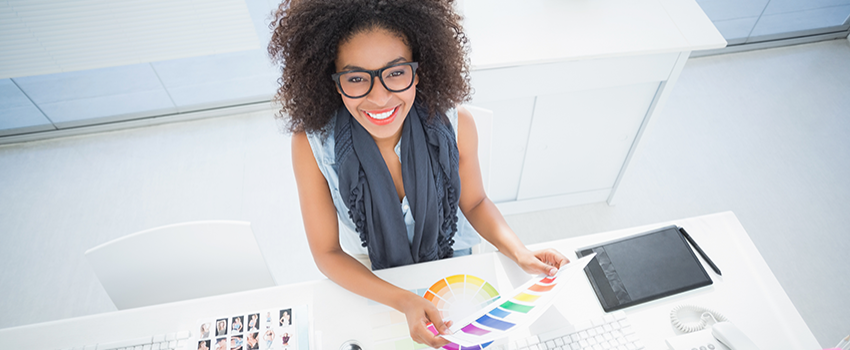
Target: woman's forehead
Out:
[372,49]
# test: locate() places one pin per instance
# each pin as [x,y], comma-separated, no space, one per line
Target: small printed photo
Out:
[221,344]
[204,345]
[205,331]
[220,327]
[286,317]
[268,339]
[253,322]
[236,342]
[236,324]
[287,340]
[252,341]
[268,319]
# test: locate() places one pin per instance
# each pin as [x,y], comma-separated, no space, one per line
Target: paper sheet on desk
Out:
[516,309]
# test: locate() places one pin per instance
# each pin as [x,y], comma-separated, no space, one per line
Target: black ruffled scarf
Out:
[429,169]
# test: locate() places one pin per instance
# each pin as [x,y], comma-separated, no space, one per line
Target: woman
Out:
[285,319]
[251,341]
[252,323]
[369,91]
[269,338]
[205,331]
[220,327]
[221,344]
[237,324]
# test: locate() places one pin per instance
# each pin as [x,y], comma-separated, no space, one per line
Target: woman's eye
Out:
[355,80]
[396,73]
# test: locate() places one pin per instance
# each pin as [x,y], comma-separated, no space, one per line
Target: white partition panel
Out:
[581,139]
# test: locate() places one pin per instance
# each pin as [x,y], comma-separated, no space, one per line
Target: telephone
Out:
[712,331]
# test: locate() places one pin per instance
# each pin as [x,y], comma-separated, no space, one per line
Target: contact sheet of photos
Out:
[274,329]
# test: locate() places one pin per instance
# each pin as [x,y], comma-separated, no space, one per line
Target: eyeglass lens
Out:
[396,79]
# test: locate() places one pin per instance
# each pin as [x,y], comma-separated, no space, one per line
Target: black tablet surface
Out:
[643,267]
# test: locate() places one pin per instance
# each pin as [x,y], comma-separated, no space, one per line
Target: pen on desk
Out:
[844,343]
[699,250]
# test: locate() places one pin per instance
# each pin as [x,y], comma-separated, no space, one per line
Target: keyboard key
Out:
[583,334]
[183,335]
[533,340]
[124,343]
[559,342]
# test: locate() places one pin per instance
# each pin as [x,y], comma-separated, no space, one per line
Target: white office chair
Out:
[484,125]
[179,262]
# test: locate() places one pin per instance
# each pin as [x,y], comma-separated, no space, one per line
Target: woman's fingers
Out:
[546,261]
[421,315]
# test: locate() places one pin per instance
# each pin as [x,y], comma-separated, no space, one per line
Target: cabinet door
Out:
[579,140]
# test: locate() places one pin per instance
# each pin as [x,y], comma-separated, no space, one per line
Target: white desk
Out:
[747,293]
[573,85]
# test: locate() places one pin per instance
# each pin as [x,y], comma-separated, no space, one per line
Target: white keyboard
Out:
[609,332]
[170,341]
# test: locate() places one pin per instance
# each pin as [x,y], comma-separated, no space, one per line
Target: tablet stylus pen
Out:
[699,250]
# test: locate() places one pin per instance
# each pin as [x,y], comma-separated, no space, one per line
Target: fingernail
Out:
[553,271]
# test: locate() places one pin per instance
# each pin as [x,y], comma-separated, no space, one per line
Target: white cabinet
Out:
[573,85]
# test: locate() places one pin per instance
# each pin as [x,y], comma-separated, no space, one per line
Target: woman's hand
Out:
[420,312]
[546,261]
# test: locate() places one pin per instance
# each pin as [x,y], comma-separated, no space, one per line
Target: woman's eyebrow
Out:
[390,63]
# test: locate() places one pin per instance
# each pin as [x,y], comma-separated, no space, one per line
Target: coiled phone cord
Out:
[693,326]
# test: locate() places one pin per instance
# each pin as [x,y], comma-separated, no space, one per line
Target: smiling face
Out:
[381,112]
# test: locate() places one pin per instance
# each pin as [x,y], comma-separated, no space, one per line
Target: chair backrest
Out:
[179,262]
[484,123]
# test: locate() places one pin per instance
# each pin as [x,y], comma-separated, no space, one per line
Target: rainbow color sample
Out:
[460,295]
[519,308]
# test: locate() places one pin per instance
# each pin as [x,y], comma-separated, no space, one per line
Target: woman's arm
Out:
[483,214]
[320,222]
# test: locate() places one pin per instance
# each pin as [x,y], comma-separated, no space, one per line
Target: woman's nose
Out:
[379,94]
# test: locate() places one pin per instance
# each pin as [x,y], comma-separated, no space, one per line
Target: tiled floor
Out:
[763,133]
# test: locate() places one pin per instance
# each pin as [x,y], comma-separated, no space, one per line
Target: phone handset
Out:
[731,336]
[693,319]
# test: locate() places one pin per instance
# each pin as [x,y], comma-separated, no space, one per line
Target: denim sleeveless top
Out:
[323,149]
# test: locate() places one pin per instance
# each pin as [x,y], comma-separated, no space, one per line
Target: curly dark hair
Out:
[307,33]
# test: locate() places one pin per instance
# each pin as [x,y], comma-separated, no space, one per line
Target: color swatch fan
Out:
[459,296]
[514,310]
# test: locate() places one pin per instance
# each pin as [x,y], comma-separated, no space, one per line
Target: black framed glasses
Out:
[359,82]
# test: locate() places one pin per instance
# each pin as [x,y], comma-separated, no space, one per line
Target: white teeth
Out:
[380,116]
